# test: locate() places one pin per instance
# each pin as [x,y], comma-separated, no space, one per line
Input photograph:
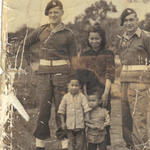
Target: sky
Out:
[31,12]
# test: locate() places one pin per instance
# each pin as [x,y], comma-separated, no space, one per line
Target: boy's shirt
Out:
[99,117]
[74,107]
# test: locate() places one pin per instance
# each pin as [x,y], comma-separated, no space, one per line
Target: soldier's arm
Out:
[72,47]
[32,38]
[146,43]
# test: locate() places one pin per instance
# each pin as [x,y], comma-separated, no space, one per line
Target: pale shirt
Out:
[74,107]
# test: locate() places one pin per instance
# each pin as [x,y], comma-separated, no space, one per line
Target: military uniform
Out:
[135,84]
[50,54]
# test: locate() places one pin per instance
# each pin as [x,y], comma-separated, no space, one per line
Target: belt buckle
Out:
[57,74]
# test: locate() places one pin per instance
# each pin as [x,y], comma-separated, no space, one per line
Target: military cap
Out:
[125,13]
[53,4]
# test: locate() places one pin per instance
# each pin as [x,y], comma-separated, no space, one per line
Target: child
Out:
[74,110]
[98,120]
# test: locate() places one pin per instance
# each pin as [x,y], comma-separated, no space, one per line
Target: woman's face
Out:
[94,40]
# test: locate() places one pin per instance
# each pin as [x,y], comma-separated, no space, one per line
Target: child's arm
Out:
[63,124]
[107,120]
[106,92]
[90,125]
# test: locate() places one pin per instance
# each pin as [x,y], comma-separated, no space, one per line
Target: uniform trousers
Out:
[49,88]
[135,101]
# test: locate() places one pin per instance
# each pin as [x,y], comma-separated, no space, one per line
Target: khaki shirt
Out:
[74,107]
[46,44]
[135,50]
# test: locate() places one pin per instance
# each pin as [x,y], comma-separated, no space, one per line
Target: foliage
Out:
[96,13]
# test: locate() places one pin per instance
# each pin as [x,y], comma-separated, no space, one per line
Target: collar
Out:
[74,95]
[137,33]
[58,28]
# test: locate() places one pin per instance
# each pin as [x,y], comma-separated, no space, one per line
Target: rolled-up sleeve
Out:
[147,44]
[62,106]
[85,104]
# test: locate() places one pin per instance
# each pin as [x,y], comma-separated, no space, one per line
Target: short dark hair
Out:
[98,29]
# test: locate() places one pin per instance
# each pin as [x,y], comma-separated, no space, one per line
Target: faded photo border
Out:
[18,113]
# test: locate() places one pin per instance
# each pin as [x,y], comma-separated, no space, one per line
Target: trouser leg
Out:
[71,142]
[45,95]
[92,146]
[139,101]
[102,146]
[60,88]
[59,93]
[80,140]
[126,116]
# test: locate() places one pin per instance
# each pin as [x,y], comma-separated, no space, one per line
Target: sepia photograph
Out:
[75,75]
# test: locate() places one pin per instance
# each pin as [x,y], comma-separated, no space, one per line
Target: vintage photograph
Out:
[75,75]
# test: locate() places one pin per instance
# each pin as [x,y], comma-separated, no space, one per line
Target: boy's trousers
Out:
[77,140]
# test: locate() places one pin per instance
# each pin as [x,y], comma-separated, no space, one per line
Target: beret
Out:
[53,4]
[125,13]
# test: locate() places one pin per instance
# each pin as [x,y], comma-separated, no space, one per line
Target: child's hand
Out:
[87,121]
[101,128]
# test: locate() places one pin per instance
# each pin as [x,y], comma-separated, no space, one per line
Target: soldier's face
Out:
[55,15]
[130,23]
[94,40]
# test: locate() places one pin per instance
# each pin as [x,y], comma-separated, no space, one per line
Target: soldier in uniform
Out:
[50,48]
[134,51]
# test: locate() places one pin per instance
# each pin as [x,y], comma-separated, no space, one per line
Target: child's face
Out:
[94,40]
[93,101]
[74,87]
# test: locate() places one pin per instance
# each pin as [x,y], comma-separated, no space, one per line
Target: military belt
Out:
[44,62]
[135,67]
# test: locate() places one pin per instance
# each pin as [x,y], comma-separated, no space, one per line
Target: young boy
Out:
[97,122]
[73,110]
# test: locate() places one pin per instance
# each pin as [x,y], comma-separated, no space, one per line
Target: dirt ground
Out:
[22,131]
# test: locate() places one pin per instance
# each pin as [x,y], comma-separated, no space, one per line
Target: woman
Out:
[96,68]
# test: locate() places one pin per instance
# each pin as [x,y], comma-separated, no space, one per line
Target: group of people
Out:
[80,86]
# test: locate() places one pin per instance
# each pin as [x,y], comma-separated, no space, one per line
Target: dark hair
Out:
[98,29]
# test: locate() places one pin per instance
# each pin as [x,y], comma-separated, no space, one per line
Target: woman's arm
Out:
[106,92]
